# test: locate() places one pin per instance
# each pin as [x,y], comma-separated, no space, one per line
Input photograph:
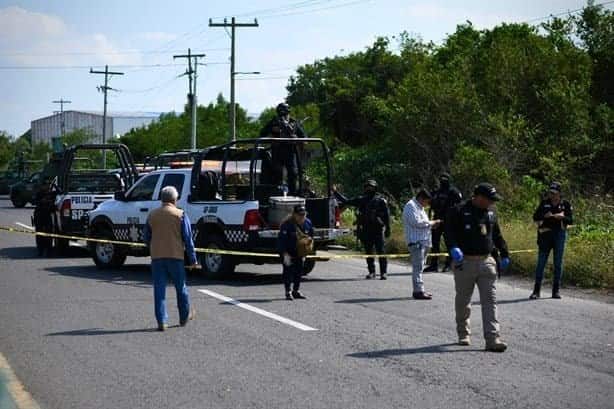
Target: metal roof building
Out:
[118,123]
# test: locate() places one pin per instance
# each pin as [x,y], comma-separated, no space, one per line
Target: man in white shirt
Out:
[417,228]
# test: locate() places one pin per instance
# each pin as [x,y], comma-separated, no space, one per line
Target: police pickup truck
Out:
[234,199]
[78,188]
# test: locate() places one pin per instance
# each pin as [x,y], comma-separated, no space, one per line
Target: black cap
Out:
[555,187]
[300,209]
[444,176]
[370,182]
[488,191]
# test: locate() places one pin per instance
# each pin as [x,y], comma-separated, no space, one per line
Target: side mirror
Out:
[120,196]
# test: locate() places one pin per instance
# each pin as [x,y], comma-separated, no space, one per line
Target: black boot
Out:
[536,291]
[555,291]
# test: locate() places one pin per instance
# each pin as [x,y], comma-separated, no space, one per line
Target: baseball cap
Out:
[488,191]
[444,176]
[371,182]
[298,209]
[555,187]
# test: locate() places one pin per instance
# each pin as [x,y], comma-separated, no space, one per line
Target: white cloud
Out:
[31,38]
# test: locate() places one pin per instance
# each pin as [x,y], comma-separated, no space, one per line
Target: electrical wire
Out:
[570,12]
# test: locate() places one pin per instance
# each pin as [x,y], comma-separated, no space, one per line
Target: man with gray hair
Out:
[169,234]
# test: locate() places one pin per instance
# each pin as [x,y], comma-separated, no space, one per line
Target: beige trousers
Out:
[480,270]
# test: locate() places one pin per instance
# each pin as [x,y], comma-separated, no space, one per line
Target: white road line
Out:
[25,226]
[257,310]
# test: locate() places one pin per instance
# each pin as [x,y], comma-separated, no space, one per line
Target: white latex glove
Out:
[287,260]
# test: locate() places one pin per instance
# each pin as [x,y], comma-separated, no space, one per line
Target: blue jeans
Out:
[555,240]
[161,269]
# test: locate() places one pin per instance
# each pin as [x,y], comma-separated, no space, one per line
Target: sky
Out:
[48,46]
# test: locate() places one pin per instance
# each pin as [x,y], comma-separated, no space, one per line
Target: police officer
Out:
[472,232]
[373,224]
[43,219]
[294,242]
[443,199]
[552,216]
[285,155]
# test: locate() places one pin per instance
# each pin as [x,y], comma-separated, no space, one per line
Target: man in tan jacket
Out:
[169,234]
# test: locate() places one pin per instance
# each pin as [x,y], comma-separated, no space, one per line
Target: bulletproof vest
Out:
[284,129]
[372,212]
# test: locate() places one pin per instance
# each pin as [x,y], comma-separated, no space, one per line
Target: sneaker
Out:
[370,276]
[191,316]
[422,296]
[289,297]
[383,277]
[298,296]
[162,327]
[464,341]
[430,269]
[496,346]
[556,295]
[534,296]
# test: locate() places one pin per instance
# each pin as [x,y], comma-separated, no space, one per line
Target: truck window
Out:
[144,189]
[173,179]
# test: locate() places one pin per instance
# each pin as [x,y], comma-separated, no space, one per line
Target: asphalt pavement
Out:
[78,337]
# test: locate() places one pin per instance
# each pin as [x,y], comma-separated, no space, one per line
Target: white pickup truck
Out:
[233,199]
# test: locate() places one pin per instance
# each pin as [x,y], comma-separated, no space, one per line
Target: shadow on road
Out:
[28,253]
[99,331]
[430,349]
[139,275]
[367,300]
[501,302]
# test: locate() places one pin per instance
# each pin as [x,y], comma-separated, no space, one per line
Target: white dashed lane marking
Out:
[257,310]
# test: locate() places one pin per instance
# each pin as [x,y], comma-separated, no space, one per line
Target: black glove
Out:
[387,232]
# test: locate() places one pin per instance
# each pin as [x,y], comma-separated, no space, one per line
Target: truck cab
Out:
[232,200]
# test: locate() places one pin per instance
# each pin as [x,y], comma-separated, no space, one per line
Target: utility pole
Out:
[233,109]
[104,88]
[62,101]
[192,70]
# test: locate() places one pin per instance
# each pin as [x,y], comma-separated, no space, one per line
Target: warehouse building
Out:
[46,129]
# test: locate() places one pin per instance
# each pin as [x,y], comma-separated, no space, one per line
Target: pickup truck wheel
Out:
[106,255]
[18,203]
[215,265]
[308,266]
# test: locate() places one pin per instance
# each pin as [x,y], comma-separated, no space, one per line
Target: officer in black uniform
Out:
[553,216]
[292,231]
[373,224]
[43,220]
[444,198]
[472,232]
[284,155]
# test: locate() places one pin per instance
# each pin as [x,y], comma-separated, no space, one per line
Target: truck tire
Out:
[308,266]
[18,202]
[215,265]
[106,256]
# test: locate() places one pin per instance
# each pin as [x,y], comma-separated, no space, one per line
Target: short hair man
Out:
[169,234]
[418,237]
[472,232]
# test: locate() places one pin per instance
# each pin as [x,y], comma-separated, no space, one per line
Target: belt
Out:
[480,257]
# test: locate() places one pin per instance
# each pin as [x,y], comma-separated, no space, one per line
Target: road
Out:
[77,337]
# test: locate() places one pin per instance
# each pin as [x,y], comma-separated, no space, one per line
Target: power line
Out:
[314,10]
[297,5]
[79,67]
[569,12]
[121,52]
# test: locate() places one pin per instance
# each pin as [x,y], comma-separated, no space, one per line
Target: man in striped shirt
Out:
[417,228]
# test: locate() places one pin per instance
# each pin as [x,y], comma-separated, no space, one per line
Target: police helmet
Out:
[283,109]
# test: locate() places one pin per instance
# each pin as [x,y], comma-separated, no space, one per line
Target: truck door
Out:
[141,201]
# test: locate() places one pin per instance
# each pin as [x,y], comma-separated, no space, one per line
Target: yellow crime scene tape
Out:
[221,251]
